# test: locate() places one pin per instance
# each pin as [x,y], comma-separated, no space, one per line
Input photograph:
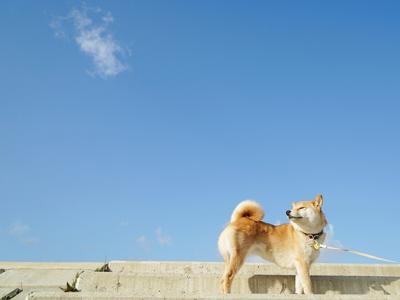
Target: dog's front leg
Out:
[299,286]
[303,272]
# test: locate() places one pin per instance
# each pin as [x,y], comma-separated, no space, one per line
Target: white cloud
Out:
[160,237]
[143,242]
[22,233]
[56,25]
[19,229]
[92,35]
[163,239]
[108,18]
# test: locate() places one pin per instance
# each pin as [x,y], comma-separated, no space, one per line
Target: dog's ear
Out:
[318,201]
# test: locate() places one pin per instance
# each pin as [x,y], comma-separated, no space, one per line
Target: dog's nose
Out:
[288,213]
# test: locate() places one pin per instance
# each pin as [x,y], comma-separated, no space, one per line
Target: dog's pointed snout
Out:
[288,213]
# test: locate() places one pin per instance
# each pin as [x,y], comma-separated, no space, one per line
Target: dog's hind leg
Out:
[225,249]
[235,262]
[226,269]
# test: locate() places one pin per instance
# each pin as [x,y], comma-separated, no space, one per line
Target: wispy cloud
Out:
[23,233]
[162,238]
[93,37]
[159,238]
[142,242]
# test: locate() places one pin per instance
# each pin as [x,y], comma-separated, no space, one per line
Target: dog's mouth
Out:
[293,217]
[290,216]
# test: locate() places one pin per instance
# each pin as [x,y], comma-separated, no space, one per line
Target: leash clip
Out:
[316,245]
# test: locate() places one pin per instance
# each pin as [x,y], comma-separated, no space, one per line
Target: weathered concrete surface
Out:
[196,280]
[113,296]
[24,294]
[8,293]
[50,265]
[34,280]
[208,284]
[251,268]
[24,278]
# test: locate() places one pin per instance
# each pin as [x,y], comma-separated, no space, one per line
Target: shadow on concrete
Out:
[264,284]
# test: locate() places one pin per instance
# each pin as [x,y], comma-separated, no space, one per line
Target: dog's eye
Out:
[301,208]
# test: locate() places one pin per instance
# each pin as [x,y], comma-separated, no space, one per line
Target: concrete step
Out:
[251,268]
[206,267]
[199,280]
[12,265]
[29,281]
[24,278]
[114,296]
[208,284]
[9,293]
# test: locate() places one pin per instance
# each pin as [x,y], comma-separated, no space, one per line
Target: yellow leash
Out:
[318,246]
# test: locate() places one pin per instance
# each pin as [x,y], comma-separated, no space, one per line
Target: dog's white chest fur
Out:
[309,251]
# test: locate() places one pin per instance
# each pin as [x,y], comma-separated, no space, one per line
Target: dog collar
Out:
[314,236]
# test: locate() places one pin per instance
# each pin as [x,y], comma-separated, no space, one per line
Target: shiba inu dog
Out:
[292,245]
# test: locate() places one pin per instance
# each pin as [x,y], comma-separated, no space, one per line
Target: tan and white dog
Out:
[289,245]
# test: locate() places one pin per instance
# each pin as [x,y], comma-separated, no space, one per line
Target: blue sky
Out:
[130,130]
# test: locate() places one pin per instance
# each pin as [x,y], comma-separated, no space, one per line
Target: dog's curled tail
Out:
[248,209]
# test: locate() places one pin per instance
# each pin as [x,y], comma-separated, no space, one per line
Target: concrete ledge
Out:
[251,268]
[208,284]
[8,265]
[36,278]
[26,292]
[9,293]
[113,296]
[194,280]
[209,267]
